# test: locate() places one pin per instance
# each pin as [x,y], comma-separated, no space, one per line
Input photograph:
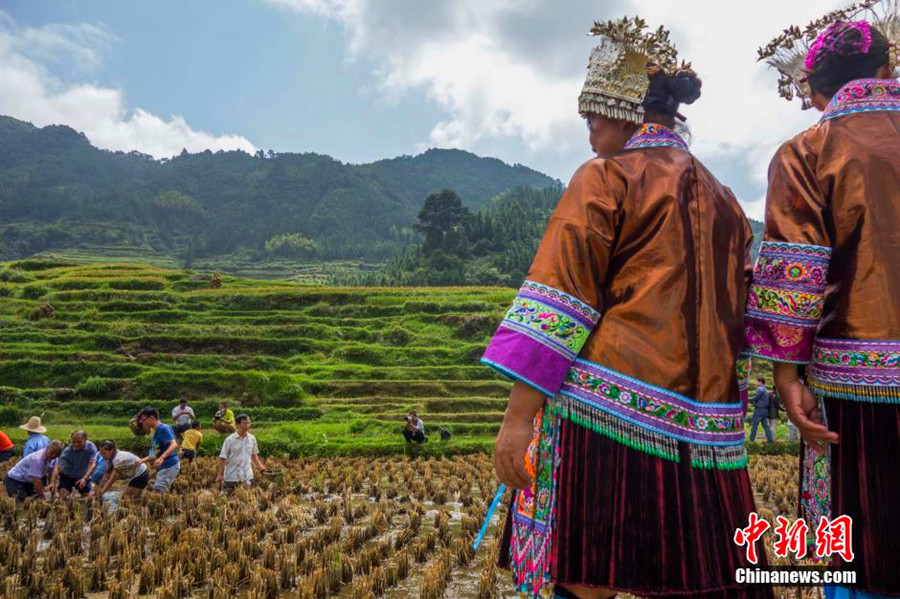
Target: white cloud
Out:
[30,91]
[512,69]
[462,56]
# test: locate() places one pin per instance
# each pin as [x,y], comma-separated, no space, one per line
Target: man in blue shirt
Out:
[36,438]
[164,454]
[75,467]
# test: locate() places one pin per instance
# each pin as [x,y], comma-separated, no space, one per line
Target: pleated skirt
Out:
[636,523]
[865,485]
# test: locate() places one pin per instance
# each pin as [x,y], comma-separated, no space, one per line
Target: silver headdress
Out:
[790,52]
[617,80]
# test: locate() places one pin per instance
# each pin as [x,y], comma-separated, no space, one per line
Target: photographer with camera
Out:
[414,429]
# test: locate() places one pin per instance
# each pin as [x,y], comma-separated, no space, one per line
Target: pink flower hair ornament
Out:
[828,40]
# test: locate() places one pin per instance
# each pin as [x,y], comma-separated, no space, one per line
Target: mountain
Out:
[58,192]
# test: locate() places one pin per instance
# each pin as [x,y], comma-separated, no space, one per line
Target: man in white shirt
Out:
[183,416]
[238,454]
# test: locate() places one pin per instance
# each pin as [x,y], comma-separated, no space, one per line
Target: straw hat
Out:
[34,425]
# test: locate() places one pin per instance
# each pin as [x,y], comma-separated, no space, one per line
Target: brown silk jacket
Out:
[826,287]
[631,315]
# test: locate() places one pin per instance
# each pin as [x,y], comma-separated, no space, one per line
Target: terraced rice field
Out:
[319,370]
[242,264]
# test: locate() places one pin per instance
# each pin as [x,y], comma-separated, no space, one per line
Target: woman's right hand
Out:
[509,454]
[802,407]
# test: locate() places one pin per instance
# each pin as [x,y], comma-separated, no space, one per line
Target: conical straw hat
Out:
[34,425]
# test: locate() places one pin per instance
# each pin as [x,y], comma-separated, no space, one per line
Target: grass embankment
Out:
[320,370]
[241,264]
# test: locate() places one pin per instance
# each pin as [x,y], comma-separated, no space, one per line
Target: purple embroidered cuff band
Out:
[856,370]
[785,301]
[540,336]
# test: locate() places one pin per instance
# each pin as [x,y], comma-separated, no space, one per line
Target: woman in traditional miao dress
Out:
[623,343]
[826,291]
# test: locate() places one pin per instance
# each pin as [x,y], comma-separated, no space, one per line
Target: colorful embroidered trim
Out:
[551,317]
[652,135]
[652,419]
[534,510]
[540,336]
[785,301]
[744,368]
[815,484]
[864,95]
[856,370]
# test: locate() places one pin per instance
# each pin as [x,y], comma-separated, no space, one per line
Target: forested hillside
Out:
[59,192]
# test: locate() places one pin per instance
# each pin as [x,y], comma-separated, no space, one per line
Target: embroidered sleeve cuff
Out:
[785,301]
[540,337]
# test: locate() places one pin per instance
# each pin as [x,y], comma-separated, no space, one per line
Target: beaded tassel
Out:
[613,109]
[616,428]
[853,392]
[728,457]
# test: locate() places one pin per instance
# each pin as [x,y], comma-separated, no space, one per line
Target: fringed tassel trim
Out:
[617,429]
[856,392]
[727,457]
[611,108]
[716,457]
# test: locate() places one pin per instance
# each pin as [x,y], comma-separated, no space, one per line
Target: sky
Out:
[362,80]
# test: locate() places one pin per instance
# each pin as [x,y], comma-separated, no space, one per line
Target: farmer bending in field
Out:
[26,478]
[124,465]
[190,440]
[75,466]
[238,452]
[223,420]
[164,454]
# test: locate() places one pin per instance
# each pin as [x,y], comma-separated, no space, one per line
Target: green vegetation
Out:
[493,246]
[320,370]
[265,214]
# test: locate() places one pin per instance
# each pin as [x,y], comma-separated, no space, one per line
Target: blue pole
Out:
[487,519]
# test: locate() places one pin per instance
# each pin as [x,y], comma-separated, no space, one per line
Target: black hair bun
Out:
[685,86]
